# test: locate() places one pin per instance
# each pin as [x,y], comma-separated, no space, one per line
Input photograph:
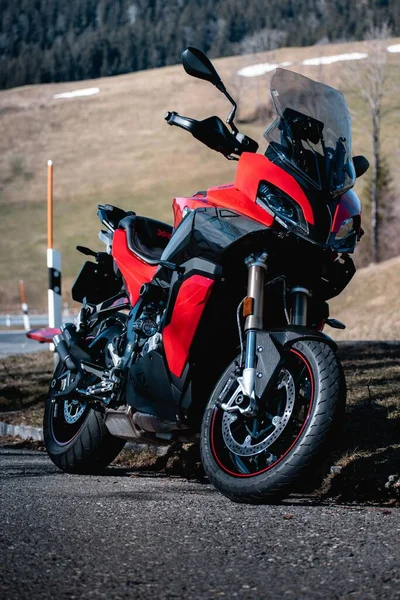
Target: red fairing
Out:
[349,206]
[179,204]
[180,331]
[134,271]
[229,196]
[224,196]
[253,168]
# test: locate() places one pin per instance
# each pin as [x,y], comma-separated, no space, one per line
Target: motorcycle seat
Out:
[147,238]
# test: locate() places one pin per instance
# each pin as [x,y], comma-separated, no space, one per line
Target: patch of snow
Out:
[76,93]
[261,69]
[328,60]
[132,13]
[394,48]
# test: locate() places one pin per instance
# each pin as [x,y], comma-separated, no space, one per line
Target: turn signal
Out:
[248,306]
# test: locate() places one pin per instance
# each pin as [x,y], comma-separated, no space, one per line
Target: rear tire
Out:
[83,445]
[306,440]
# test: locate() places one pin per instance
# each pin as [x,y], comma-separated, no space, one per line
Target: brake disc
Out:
[73,410]
[246,448]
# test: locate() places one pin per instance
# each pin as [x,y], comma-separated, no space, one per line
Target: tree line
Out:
[45,41]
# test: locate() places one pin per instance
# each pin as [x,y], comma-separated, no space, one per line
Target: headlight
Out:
[285,210]
[345,228]
[346,238]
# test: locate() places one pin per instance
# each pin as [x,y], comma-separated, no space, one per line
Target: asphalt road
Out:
[118,536]
[16,342]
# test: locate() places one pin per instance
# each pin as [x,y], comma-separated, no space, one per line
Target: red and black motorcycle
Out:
[212,329]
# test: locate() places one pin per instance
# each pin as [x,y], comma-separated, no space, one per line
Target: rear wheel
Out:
[260,459]
[75,436]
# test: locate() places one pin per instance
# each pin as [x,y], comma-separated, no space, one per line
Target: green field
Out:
[115,147]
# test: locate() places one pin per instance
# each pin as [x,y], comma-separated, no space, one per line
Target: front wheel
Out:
[260,459]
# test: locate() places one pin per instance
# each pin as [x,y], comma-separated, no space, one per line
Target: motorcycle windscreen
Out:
[312,134]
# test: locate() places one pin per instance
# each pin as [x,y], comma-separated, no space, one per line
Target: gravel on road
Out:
[117,536]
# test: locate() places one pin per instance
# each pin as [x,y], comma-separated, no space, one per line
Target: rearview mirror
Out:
[196,63]
[361,165]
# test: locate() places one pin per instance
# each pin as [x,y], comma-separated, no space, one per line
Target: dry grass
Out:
[366,454]
[370,305]
[116,147]
[368,449]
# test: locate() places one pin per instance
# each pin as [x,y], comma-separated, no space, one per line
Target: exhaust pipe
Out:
[65,355]
[129,425]
[153,424]
[68,349]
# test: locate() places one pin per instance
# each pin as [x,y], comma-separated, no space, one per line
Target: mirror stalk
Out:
[232,114]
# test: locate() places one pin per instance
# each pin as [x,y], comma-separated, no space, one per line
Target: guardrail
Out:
[13,320]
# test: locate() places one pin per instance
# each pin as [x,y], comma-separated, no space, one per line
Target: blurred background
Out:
[86,83]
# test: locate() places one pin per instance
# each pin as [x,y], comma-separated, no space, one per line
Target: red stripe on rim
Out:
[288,450]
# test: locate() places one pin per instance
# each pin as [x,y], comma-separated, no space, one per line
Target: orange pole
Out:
[50,204]
[22,291]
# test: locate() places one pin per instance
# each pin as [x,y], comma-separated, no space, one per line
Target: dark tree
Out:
[50,40]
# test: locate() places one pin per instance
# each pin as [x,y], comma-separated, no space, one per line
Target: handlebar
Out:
[214,133]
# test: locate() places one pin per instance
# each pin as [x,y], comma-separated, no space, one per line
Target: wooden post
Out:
[50,204]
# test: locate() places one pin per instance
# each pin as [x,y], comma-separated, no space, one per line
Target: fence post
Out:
[24,306]
[53,260]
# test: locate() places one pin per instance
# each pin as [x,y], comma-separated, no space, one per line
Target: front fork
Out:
[253,311]
[253,308]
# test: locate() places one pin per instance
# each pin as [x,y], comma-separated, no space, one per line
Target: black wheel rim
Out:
[247,447]
[67,415]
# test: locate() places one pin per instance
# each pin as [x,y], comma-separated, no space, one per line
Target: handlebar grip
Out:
[173,118]
[169,117]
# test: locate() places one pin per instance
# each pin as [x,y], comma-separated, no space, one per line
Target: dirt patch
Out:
[183,460]
[17,443]
[364,465]
[24,381]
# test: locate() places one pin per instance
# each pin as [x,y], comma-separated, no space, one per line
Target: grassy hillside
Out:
[115,147]
[370,306]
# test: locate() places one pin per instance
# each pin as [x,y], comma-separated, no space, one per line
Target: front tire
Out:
[75,436]
[260,460]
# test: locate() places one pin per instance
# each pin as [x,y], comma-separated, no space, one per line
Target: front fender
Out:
[292,334]
[272,343]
